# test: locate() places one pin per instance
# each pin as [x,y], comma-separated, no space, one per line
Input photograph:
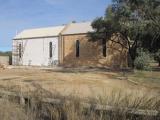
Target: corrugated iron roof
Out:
[40,32]
[72,28]
[78,28]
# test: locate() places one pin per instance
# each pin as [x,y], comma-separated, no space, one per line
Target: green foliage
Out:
[137,22]
[142,60]
[157,56]
[8,53]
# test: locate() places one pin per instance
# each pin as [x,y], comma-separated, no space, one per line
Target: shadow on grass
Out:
[156,69]
[89,69]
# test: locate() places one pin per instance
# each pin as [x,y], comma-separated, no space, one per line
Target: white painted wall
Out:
[36,52]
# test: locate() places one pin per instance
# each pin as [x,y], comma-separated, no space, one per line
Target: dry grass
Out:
[131,99]
[150,79]
[11,111]
[73,110]
[94,87]
[66,82]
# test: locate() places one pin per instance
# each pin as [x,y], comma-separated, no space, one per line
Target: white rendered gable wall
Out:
[35,52]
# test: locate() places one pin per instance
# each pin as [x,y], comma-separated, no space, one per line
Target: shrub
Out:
[142,60]
[157,57]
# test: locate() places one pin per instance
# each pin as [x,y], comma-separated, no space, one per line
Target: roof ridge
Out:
[66,27]
[78,28]
[82,22]
[43,28]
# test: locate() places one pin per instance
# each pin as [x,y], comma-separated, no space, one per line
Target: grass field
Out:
[81,83]
[135,90]
[150,78]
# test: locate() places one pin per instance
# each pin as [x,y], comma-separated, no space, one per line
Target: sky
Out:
[17,15]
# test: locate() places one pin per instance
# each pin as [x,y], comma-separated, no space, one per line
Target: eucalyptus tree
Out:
[136,21]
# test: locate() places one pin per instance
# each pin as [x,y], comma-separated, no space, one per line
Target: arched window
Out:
[50,50]
[77,48]
[20,50]
[104,47]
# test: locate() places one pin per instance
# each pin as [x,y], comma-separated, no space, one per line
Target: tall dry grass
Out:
[70,107]
[11,111]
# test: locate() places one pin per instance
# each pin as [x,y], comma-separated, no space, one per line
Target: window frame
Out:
[20,50]
[104,48]
[77,48]
[50,49]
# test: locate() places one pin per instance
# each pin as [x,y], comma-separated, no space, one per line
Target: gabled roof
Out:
[78,28]
[40,32]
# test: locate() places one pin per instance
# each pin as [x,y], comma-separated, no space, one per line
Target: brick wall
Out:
[91,53]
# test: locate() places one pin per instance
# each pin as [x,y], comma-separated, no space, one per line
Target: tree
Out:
[133,20]
[142,61]
[157,57]
[150,10]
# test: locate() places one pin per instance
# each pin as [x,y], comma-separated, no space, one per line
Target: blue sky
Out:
[16,15]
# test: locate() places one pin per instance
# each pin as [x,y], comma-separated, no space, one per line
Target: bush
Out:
[157,56]
[142,60]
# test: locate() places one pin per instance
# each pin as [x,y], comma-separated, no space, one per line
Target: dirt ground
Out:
[66,82]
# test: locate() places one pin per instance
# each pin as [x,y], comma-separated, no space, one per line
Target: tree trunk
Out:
[132,53]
